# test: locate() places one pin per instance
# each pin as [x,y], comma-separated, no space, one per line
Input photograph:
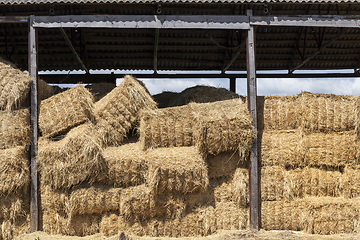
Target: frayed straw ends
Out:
[61,112]
[72,160]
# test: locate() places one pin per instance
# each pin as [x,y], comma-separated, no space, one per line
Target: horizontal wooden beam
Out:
[14,19]
[91,78]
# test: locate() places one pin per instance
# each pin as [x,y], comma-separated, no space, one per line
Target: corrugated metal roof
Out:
[170,1]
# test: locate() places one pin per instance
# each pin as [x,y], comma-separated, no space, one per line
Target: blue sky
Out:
[271,86]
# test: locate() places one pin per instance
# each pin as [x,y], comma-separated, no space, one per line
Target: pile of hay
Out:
[71,160]
[14,86]
[118,111]
[127,165]
[61,112]
[168,127]
[177,169]
[316,215]
[14,171]
[99,90]
[14,128]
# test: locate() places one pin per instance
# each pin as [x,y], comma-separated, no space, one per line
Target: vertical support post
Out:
[233,84]
[33,70]
[251,95]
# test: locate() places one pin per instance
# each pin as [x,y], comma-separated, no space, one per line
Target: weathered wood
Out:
[251,94]
[33,57]
[233,84]
[14,19]
[156,45]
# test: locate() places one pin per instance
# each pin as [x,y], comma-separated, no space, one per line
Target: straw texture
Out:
[72,160]
[14,128]
[14,170]
[222,126]
[119,110]
[223,164]
[126,165]
[14,86]
[282,148]
[167,127]
[317,215]
[177,169]
[61,112]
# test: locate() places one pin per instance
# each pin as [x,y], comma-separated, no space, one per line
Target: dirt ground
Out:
[222,235]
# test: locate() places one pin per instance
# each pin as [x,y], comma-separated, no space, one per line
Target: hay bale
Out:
[350,182]
[201,94]
[282,148]
[279,113]
[120,108]
[126,165]
[231,217]
[222,126]
[168,127]
[14,170]
[315,215]
[61,112]
[12,207]
[99,90]
[94,200]
[54,200]
[333,149]
[137,203]
[71,160]
[44,90]
[14,128]
[328,112]
[14,86]
[177,169]
[240,187]
[80,225]
[223,164]
[272,183]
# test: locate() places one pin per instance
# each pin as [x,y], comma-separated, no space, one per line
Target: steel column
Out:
[33,60]
[251,96]
[233,84]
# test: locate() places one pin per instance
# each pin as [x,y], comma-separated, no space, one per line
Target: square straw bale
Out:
[14,86]
[272,183]
[71,160]
[80,225]
[14,128]
[240,187]
[126,164]
[279,113]
[222,126]
[282,148]
[137,203]
[170,206]
[54,200]
[331,149]
[177,169]
[94,200]
[223,164]
[63,111]
[231,217]
[327,112]
[120,108]
[350,182]
[166,127]
[14,170]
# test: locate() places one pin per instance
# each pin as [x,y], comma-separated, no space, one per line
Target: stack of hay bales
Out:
[308,160]
[178,179]
[14,146]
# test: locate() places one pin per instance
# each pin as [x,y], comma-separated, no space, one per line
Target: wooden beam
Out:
[344,30]
[33,57]
[251,96]
[14,19]
[156,46]
[233,84]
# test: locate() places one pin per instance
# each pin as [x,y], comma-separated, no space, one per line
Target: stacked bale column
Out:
[306,162]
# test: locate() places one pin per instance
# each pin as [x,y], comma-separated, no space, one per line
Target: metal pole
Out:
[233,84]
[33,64]
[251,95]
